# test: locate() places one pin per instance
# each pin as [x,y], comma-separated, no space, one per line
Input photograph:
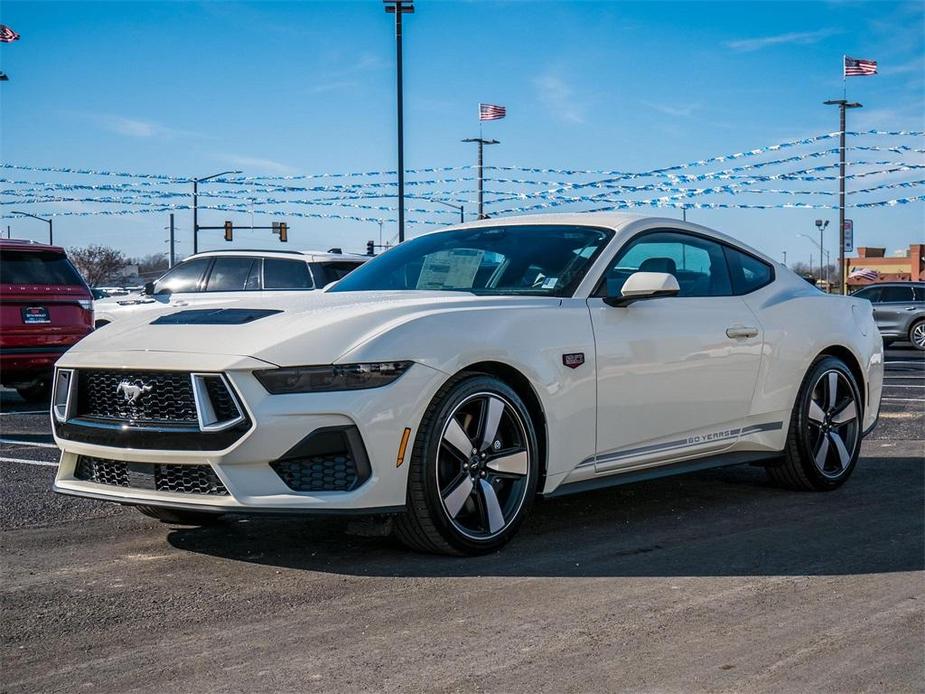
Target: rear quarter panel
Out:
[799,323]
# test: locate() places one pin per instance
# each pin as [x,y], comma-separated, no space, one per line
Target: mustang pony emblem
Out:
[132,391]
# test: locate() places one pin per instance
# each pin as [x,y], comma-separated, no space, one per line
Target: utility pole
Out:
[843,105]
[398,8]
[51,236]
[481,143]
[173,257]
[196,227]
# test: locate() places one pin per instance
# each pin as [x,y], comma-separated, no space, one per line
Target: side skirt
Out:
[613,480]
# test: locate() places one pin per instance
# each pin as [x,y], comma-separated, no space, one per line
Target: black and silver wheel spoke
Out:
[832,413]
[483,465]
[918,335]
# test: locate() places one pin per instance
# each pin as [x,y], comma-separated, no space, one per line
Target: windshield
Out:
[516,260]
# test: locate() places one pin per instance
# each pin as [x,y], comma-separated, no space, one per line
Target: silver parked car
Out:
[899,309]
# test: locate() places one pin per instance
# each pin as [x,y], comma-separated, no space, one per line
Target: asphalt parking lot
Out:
[712,581]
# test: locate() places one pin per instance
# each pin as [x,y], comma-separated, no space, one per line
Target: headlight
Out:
[318,379]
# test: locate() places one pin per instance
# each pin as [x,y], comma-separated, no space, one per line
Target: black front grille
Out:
[165,396]
[327,460]
[182,479]
[319,473]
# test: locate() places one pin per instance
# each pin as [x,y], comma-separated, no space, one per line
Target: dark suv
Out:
[45,307]
[899,309]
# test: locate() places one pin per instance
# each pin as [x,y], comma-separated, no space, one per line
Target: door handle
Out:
[739,331]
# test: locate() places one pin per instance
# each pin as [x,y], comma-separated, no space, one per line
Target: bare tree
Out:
[152,266]
[98,263]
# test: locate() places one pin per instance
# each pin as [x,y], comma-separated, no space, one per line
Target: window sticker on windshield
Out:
[454,269]
[550,282]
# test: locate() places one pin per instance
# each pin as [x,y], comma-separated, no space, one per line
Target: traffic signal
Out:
[283,231]
[229,230]
[370,248]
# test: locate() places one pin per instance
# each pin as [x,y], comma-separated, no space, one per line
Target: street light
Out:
[51,238]
[398,8]
[196,182]
[821,226]
[821,250]
[461,208]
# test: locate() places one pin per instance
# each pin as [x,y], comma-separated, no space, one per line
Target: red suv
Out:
[45,307]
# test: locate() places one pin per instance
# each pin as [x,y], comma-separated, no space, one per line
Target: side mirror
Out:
[644,285]
[149,288]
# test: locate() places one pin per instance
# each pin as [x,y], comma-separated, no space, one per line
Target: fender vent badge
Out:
[573,360]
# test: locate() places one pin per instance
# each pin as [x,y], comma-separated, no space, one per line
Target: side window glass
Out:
[896,295]
[919,293]
[698,264]
[253,279]
[184,277]
[872,294]
[286,274]
[747,272]
[229,274]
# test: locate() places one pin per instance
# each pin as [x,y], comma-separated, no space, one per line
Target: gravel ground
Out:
[715,581]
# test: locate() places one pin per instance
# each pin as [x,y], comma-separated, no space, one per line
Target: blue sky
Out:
[191,88]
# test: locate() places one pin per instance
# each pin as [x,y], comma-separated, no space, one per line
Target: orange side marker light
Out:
[406,434]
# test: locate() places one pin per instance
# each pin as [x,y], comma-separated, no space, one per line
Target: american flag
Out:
[7,35]
[491,112]
[859,67]
[863,273]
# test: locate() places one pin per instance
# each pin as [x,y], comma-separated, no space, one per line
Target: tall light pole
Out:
[196,182]
[51,236]
[821,226]
[398,8]
[843,105]
[481,142]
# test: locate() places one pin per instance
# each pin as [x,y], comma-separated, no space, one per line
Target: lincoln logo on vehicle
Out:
[132,391]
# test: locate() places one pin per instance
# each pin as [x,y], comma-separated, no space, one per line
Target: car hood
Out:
[317,328]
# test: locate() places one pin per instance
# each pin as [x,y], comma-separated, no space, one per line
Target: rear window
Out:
[748,273]
[894,294]
[286,274]
[37,267]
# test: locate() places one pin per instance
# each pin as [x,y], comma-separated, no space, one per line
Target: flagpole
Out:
[844,77]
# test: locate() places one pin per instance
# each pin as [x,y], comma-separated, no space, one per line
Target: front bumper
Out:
[280,423]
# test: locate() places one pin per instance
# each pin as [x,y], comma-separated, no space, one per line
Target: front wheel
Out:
[825,429]
[473,471]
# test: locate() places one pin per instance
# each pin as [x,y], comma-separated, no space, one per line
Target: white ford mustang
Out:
[454,378]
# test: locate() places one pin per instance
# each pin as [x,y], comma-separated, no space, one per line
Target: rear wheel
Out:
[825,429]
[169,515]
[473,471]
[917,335]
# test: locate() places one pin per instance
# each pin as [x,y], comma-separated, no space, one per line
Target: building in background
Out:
[873,265]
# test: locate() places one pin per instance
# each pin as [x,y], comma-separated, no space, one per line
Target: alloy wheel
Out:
[918,335]
[833,432]
[483,465]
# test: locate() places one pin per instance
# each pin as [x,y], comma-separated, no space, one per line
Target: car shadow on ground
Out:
[728,522]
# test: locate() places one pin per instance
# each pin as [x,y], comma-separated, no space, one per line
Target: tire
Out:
[169,515]
[474,503]
[825,430]
[917,335]
[35,392]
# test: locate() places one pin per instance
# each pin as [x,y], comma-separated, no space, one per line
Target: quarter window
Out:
[279,273]
[747,272]
[230,274]
[698,264]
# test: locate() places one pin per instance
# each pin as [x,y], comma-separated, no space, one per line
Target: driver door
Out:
[675,375]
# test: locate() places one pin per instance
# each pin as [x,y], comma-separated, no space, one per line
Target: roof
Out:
[313,256]
[25,244]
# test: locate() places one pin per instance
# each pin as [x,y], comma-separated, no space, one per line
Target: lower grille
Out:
[182,479]
[320,473]
[327,460]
